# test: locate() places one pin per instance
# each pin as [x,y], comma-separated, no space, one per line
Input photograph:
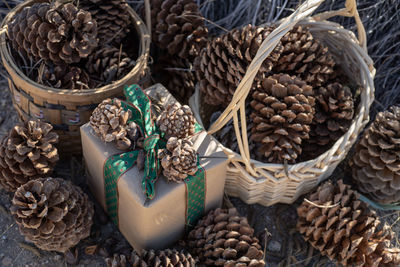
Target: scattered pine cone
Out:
[178,27]
[224,238]
[304,56]
[118,260]
[343,228]
[177,121]
[109,64]
[376,161]
[112,17]
[282,115]
[178,160]
[222,65]
[64,77]
[52,213]
[58,33]
[167,258]
[110,122]
[26,153]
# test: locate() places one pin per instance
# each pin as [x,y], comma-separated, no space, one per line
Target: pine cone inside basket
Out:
[112,18]
[178,160]
[334,111]
[178,27]
[222,65]
[52,213]
[177,121]
[58,33]
[64,77]
[304,56]
[109,64]
[342,227]
[376,161]
[110,122]
[283,110]
[224,238]
[27,152]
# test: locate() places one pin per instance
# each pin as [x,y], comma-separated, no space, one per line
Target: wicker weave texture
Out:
[257,182]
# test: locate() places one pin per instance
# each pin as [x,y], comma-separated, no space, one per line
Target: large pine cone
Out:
[178,27]
[53,32]
[52,213]
[64,77]
[343,228]
[334,111]
[224,238]
[283,112]
[376,161]
[112,16]
[110,122]
[177,121]
[222,65]
[303,55]
[178,160]
[27,152]
[109,64]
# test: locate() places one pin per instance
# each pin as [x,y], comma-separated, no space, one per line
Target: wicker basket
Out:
[266,184]
[66,110]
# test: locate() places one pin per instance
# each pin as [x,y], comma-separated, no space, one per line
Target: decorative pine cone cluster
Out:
[52,213]
[340,226]
[26,153]
[73,46]
[376,161]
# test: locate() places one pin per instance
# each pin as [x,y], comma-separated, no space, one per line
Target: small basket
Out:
[66,110]
[264,183]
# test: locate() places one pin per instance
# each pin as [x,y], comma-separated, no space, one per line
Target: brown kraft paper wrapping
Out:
[159,222]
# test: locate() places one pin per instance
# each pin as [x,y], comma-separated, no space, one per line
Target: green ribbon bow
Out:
[115,166]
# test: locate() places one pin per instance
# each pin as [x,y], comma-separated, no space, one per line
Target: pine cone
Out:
[26,153]
[303,55]
[64,77]
[376,161]
[110,122]
[118,260]
[165,258]
[109,64]
[222,65]
[178,160]
[112,18]
[334,111]
[53,32]
[223,238]
[346,230]
[178,27]
[283,112]
[52,213]
[177,121]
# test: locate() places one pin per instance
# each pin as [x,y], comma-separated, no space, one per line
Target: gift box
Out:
[160,221]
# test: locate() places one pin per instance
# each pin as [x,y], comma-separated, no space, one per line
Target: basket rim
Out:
[144,48]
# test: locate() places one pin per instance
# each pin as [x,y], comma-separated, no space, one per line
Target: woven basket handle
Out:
[267,46]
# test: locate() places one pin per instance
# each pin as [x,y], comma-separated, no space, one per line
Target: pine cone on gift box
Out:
[178,27]
[64,77]
[59,33]
[304,56]
[112,16]
[343,228]
[110,122]
[27,152]
[178,160]
[177,121]
[283,110]
[224,238]
[109,64]
[222,65]
[376,161]
[52,213]
[334,111]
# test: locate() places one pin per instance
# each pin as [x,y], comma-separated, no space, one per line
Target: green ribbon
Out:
[115,166]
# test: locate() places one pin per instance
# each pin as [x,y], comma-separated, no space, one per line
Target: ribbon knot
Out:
[150,142]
